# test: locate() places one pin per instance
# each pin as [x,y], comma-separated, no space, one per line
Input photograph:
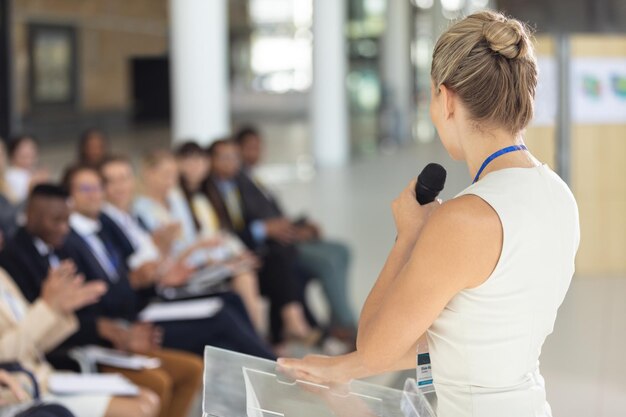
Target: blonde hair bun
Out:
[487,59]
[508,38]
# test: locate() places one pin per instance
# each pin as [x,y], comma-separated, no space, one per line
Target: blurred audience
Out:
[278,276]
[319,258]
[91,254]
[229,328]
[24,171]
[93,147]
[41,245]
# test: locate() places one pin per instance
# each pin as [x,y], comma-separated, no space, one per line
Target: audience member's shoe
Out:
[346,335]
[335,347]
[315,337]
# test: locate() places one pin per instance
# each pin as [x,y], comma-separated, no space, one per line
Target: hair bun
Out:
[508,38]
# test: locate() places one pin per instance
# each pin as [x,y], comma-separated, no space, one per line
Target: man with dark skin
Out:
[47,214]
[38,246]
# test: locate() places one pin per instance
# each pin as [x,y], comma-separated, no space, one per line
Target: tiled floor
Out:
[583,361]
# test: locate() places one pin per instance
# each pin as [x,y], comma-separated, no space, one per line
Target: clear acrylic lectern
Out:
[237,385]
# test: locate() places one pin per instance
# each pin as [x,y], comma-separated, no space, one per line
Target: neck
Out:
[32,231]
[481,146]
[88,215]
[221,177]
[193,186]
[156,195]
[125,207]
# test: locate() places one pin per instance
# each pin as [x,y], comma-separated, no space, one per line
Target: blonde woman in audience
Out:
[163,203]
[24,172]
[28,331]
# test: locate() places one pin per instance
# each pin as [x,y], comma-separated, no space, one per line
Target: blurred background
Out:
[340,91]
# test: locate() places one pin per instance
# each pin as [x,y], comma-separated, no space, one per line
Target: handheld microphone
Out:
[430,182]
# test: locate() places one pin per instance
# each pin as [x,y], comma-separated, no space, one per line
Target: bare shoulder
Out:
[469,213]
[467,234]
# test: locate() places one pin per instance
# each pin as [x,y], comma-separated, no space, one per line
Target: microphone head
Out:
[430,182]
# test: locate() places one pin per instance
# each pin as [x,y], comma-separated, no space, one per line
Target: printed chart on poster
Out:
[598,90]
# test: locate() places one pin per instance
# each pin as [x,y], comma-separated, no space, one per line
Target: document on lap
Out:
[181,310]
[73,384]
[111,357]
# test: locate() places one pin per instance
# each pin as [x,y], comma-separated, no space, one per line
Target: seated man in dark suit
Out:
[278,278]
[320,258]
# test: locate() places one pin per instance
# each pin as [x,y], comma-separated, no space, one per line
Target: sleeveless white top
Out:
[485,344]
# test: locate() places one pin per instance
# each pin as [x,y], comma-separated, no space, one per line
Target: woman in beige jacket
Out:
[29,331]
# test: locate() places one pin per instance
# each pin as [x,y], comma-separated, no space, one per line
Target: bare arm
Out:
[457,249]
[396,260]
[410,218]
[342,369]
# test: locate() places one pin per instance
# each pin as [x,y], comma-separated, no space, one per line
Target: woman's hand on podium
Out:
[318,369]
[325,370]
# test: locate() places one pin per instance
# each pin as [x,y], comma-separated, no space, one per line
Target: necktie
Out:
[109,257]
[53,260]
[205,214]
[233,205]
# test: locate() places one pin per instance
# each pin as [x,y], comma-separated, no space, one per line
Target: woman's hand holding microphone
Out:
[409,216]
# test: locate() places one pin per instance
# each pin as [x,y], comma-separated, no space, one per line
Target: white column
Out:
[396,66]
[199,70]
[329,107]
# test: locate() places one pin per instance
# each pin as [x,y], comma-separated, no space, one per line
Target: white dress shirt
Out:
[46,252]
[145,249]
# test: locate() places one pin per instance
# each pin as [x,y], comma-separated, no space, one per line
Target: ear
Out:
[448,99]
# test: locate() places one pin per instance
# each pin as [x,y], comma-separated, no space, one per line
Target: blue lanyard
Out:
[497,154]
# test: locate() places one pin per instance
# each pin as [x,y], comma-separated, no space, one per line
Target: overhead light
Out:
[424,4]
[452,5]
